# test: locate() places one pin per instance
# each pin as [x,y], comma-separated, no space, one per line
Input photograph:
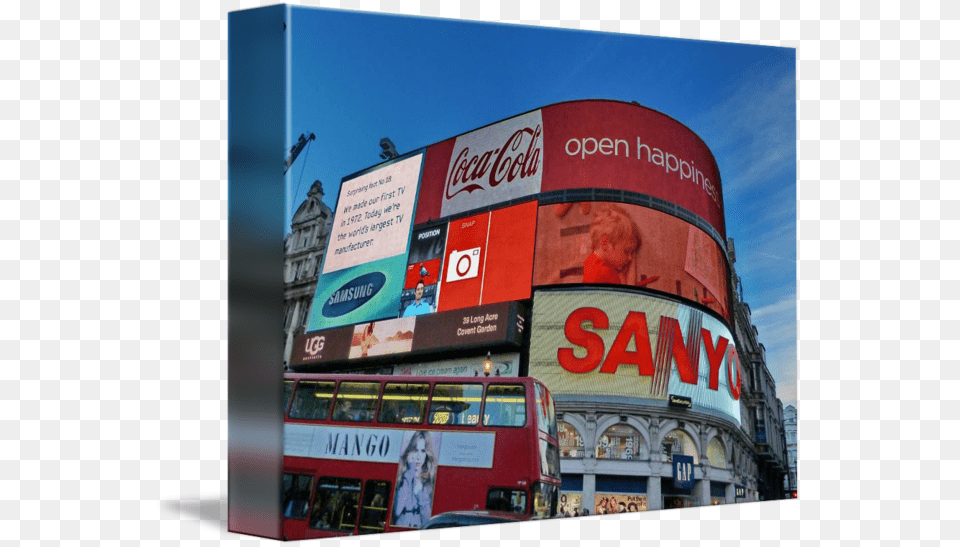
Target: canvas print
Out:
[530,273]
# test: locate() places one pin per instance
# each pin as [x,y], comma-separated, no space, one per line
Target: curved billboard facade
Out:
[582,192]
[612,343]
[597,144]
[583,244]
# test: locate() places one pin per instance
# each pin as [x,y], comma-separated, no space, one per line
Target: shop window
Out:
[571,503]
[571,443]
[621,442]
[678,442]
[716,455]
[718,493]
[613,502]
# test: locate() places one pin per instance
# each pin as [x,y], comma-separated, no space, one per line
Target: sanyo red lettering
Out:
[733,361]
[687,367]
[575,333]
[715,357]
[635,328]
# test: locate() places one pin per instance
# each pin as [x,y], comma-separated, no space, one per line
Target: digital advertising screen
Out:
[620,244]
[489,257]
[604,342]
[623,146]
[494,164]
[424,271]
[364,267]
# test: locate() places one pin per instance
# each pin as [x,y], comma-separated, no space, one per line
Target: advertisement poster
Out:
[494,164]
[489,257]
[506,365]
[424,270]
[416,479]
[619,503]
[382,337]
[364,267]
[571,504]
[622,244]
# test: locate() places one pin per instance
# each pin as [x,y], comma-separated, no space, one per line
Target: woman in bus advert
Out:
[416,474]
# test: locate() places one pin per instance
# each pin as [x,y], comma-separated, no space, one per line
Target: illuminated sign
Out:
[424,270]
[491,325]
[374,215]
[353,294]
[494,164]
[598,342]
[680,402]
[683,471]
[489,257]
[505,364]
[740,491]
[609,144]
[363,269]
[610,243]
[594,144]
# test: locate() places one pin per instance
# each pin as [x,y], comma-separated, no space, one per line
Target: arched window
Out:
[716,455]
[571,443]
[621,442]
[678,442]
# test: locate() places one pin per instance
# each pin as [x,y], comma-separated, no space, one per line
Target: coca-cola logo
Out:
[517,158]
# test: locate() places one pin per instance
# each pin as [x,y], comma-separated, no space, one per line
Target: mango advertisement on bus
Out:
[610,243]
[633,345]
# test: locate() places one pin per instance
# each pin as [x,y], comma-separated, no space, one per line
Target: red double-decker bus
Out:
[370,454]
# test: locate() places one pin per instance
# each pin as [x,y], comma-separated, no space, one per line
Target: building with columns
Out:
[790,431]
[615,257]
[303,247]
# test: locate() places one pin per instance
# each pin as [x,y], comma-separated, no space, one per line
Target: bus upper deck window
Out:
[356,401]
[404,403]
[456,404]
[311,401]
[505,406]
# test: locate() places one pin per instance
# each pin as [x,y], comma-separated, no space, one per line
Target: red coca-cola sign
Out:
[494,164]
[472,171]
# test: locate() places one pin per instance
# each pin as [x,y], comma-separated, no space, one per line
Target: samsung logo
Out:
[353,294]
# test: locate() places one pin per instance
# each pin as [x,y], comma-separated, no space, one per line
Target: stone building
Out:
[762,410]
[790,429]
[303,247]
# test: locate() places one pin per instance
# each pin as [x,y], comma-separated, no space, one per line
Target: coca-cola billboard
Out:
[590,144]
[494,164]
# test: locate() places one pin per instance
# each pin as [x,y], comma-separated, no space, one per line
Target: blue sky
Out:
[357,77]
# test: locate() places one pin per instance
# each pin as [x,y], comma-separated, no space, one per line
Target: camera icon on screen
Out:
[463,264]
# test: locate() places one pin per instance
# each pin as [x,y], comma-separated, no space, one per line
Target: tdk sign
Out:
[353,294]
